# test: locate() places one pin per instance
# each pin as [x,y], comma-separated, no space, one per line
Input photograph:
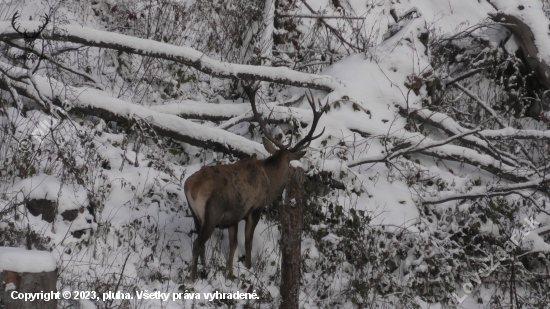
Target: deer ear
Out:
[295,155]
[269,146]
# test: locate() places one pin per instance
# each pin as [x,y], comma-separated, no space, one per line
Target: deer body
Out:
[246,186]
[222,196]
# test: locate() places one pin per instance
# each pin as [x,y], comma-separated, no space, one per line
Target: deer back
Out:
[237,189]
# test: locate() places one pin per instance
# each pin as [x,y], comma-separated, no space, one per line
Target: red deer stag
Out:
[222,196]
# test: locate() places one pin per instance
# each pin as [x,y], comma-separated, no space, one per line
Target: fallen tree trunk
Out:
[13,284]
[527,44]
[29,272]
[180,54]
[125,113]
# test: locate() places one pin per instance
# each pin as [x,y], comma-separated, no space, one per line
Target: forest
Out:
[425,126]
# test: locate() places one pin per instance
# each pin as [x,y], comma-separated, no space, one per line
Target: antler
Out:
[304,143]
[251,90]
[15,16]
[25,35]
[41,28]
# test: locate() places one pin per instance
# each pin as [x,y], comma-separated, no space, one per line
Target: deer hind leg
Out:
[198,230]
[206,229]
[233,242]
[251,223]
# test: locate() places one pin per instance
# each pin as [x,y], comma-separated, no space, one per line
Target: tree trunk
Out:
[28,283]
[291,238]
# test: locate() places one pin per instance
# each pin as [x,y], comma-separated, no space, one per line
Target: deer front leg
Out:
[233,242]
[251,223]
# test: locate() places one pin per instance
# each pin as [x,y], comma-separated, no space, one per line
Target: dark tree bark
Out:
[291,238]
[526,39]
[28,283]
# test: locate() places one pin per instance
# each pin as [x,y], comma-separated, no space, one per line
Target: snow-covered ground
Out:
[133,230]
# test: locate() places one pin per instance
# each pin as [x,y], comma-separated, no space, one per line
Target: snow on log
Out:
[21,260]
[189,109]
[452,128]
[447,151]
[180,54]
[530,26]
[494,190]
[99,104]
[27,271]
[218,112]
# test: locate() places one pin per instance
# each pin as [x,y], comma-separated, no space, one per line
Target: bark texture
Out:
[526,39]
[28,283]
[291,238]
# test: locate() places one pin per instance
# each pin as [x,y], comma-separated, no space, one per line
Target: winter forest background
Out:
[434,154]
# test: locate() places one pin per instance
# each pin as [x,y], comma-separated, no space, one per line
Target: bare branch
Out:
[50,59]
[482,104]
[473,72]
[333,30]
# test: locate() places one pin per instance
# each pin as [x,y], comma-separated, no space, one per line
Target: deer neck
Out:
[276,168]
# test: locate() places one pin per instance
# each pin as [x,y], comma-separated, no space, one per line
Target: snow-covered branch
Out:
[511,133]
[498,190]
[451,127]
[422,146]
[180,54]
[99,104]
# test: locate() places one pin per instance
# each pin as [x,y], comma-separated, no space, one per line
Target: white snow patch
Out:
[29,261]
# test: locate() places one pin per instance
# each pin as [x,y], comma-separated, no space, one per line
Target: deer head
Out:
[222,196]
[251,90]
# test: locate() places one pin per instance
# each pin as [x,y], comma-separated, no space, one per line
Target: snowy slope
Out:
[143,231]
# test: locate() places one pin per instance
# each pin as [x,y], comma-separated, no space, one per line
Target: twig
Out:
[482,104]
[333,30]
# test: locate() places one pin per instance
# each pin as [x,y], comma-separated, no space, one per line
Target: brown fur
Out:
[222,196]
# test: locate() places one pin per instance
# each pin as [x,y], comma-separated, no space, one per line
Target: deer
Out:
[223,195]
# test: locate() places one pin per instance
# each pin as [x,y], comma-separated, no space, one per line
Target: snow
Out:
[29,261]
[50,188]
[531,13]
[189,107]
[181,54]
[91,98]
[448,16]
[366,92]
